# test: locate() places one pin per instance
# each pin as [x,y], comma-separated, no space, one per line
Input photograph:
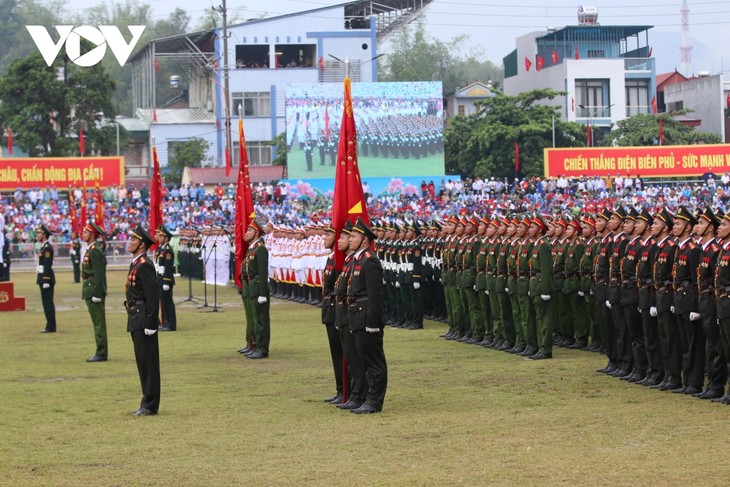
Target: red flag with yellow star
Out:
[244,203]
[349,201]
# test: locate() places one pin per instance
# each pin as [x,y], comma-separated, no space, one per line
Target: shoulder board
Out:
[671,243]
[713,246]
[142,260]
[368,254]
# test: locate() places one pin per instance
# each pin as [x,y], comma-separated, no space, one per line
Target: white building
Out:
[706,97]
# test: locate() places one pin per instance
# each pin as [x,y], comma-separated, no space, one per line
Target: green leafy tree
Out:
[188,153]
[483,144]
[280,143]
[643,130]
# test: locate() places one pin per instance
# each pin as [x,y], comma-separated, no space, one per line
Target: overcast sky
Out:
[493,25]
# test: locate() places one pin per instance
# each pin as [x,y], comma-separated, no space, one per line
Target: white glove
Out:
[165,287]
[652,311]
[486,291]
[608,304]
[441,280]
[149,332]
[416,285]
[372,330]
[592,293]
[694,316]
[39,269]
[506,289]
[671,308]
[581,294]
[46,285]
[95,300]
[262,299]
[529,295]
[545,297]
[397,284]
[383,282]
[475,287]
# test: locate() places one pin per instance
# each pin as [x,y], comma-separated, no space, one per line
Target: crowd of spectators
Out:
[190,207]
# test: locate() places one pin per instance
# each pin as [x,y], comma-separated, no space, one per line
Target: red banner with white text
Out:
[60,172]
[651,162]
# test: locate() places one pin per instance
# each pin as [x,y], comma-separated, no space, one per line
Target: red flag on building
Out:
[321,63]
[84,220]
[651,50]
[244,203]
[154,114]
[228,162]
[72,212]
[10,140]
[157,65]
[517,158]
[155,196]
[99,213]
[653,105]
[661,132]
[82,142]
[349,201]
[528,64]
[540,62]
[577,54]
[727,101]
[589,138]
[572,104]
[554,56]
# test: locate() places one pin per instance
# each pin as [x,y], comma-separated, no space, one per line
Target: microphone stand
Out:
[205,272]
[190,299]
[215,278]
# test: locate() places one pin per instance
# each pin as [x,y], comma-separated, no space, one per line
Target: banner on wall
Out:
[652,161]
[61,172]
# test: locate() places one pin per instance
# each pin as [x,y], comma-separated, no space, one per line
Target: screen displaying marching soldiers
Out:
[400,129]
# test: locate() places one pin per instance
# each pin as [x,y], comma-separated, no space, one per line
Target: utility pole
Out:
[226,93]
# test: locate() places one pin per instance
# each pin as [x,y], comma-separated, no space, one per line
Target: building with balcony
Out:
[607,72]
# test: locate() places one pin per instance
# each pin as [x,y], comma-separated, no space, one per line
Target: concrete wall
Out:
[163,134]
[705,97]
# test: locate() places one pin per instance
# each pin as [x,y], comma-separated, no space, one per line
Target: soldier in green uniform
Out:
[576,305]
[365,315]
[515,234]
[563,321]
[481,282]
[165,265]
[722,294]
[93,291]
[541,286]
[503,236]
[587,291]
[255,279]
[527,309]
[494,324]
[437,263]
[448,276]
[76,256]
[142,305]
[46,279]
[474,333]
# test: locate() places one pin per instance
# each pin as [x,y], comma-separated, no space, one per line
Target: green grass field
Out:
[370,167]
[454,414]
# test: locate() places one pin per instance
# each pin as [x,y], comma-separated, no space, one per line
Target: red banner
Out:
[60,172]
[652,161]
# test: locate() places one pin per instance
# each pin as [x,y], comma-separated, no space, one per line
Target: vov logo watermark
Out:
[101,37]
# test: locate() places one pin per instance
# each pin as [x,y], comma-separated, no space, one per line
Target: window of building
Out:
[675,106]
[259,152]
[252,56]
[253,103]
[596,53]
[462,110]
[591,98]
[296,55]
[637,97]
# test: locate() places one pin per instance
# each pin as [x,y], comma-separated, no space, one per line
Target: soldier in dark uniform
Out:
[330,274]
[308,148]
[321,146]
[5,268]
[93,290]
[647,300]
[255,278]
[165,266]
[722,294]
[714,355]
[613,297]
[687,341]
[76,256]
[416,275]
[46,279]
[631,346]
[142,304]
[365,315]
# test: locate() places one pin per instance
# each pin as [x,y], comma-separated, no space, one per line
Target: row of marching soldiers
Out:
[297,259]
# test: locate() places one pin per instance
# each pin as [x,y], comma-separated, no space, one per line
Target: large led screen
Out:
[400,128]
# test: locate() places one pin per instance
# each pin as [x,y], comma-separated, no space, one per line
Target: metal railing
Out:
[24,256]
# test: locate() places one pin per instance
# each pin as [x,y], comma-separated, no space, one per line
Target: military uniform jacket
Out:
[603,261]
[512,264]
[629,267]
[75,253]
[722,282]
[438,249]
[93,272]
[471,249]
[663,263]
[645,273]
[684,277]
[492,252]
[618,250]
[572,257]
[481,266]
[328,288]
[587,265]
[460,250]
[500,270]
[449,261]
[523,267]
[255,270]
[364,293]
[340,293]
[541,266]
[557,251]
[142,298]
[429,249]
[706,278]
[44,272]
[165,265]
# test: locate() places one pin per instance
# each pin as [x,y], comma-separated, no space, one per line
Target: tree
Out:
[188,153]
[483,144]
[280,143]
[643,130]
[14,16]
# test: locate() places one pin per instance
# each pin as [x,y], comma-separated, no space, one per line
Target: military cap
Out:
[416,227]
[328,228]
[605,214]
[710,216]
[619,212]
[142,234]
[721,214]
[435,225]
[633,214]
[589,220]
[526,221]
[515,221]
[666,216]
[684,214]
[539,220]
[575,223]
[259,228]
[646,216]
[505,220]
[472,220]
[44,229]
[454,220]
[164,231]
[563,221]
[347,228]
[361,227]
[95,229]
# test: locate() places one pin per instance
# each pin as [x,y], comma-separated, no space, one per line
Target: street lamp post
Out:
[592,114]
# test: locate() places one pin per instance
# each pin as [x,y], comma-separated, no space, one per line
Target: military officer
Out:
[93,291]
[365,315]
[76,256]
[255,278]
[541,286]
[631,347]
[328,313]
[142,305]
[523,272]
[572,285]
[722,294]
[165,265]
[587,291]
[45,278]
[647,300]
